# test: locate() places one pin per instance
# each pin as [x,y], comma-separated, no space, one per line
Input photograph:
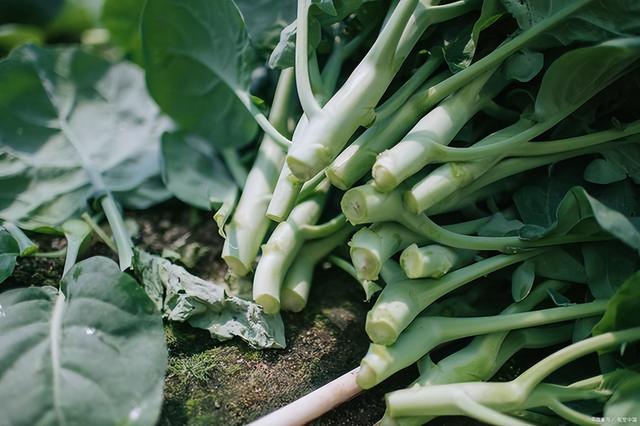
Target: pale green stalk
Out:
[371,247]
[282,247]
[298,280]
[354,103]
[249,225]
[426,333]
[402,301]
[358,157]
[433,261]
[526,391]
[438,127]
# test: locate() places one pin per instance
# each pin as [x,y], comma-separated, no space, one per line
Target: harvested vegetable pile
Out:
[469,166]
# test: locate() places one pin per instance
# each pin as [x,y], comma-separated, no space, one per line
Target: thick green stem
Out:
[298,280]
[364,204]
[512,167]
[402,301]
[357,159]
[433,261]
[438,127]
[426,333]
[282,248]
[515,147]
[249,225]
[534,375]
[371,247]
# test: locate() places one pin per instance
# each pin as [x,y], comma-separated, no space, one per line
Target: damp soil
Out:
[228,383]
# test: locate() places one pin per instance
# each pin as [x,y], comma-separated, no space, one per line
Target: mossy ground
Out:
[228,383]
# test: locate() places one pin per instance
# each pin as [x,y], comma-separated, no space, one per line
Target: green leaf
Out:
[183,297]
[9,251]
[608,265]
[599,20]
[623,307]
[523,65]
[616,165]
[93,355]
[194,172]
[604,172]
[625,401]
[122,19]
[577,75]
[71,125]
[499,226]
[522,280]
[558,264]
[548,208]
[265,19]
[461,35]
[199,61]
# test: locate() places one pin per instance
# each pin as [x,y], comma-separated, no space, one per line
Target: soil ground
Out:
[228,383]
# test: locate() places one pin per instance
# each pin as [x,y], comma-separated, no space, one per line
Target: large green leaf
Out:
[93,354]
[199,61]
[193,172]
[622,309]
[9,251]
[579,74]
[600,20]
[184,297]
[71,125]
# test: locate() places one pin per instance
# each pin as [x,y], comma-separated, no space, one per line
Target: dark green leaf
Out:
[523,65]
[95,355]
[183,297]
[558,264]
[623,307]
[617,165]
[580,73]
[199,61]
[522,280]
[499,226]
[193,172]
[9,251]
[72,124]
[600,20]
[607,266]
[604,172]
